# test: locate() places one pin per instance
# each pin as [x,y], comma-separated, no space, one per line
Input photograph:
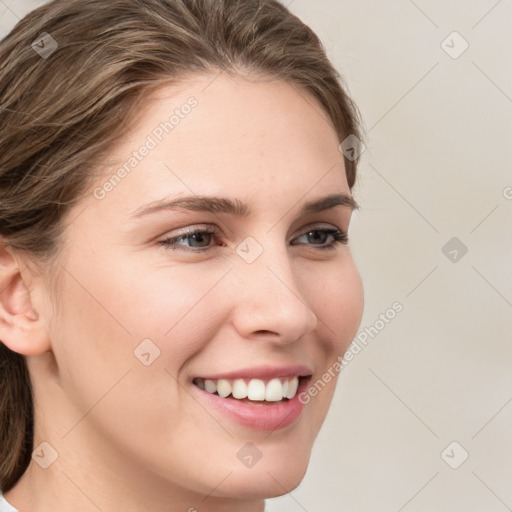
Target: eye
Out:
[199,239]
[319,235]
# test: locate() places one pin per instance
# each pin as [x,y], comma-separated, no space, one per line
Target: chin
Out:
[266,479]
[262,485]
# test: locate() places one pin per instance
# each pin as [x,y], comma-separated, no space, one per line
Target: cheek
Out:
[134,300]
[339,305]
[337,299]
[125,394]
[114,318]
[159,296]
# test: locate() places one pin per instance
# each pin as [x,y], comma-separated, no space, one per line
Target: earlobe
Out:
[21,328]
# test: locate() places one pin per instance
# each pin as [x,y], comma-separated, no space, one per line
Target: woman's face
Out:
[142,323]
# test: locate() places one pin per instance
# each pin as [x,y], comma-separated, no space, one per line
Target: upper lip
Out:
[262,372]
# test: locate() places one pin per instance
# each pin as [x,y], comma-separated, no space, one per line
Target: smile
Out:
[258,399]
[274,390]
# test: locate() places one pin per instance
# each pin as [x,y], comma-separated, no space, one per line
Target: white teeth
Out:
[239,389]
[292,387]
[274,391]
[256,390]
[253,389]
[223,388]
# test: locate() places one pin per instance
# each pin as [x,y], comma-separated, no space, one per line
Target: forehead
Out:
[213,134]
[232,111]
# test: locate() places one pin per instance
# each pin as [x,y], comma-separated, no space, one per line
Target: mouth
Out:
[268,402]
[254,391]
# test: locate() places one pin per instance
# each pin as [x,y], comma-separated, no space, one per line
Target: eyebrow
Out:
[237,207]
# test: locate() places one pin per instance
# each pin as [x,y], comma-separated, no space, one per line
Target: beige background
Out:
[437,166]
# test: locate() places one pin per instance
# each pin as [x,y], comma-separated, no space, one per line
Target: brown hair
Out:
[66,96]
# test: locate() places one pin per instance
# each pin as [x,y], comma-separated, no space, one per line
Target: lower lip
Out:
[258,417]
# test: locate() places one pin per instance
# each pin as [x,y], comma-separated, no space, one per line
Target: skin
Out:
[131,437]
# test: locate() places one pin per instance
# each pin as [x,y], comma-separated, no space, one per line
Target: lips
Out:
[258,383]
[264,373]
[262,398]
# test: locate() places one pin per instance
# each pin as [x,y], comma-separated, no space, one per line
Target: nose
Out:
[270,302]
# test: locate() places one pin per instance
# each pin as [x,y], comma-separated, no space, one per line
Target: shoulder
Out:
[6,507]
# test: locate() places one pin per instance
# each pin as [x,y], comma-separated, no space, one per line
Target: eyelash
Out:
[338,236]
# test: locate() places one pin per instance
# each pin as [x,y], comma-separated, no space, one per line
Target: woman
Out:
[175,195]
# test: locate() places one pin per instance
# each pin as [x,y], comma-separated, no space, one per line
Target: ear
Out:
[21,328]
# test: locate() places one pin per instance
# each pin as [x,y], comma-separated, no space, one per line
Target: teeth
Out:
[292,387]
[285,388]
[239,389]
[254,389]
[223,388]
[210,385]
[274,391]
